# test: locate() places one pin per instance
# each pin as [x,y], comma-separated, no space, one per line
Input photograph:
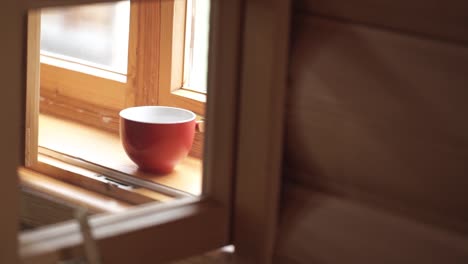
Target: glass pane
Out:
[95,35]
[196,45]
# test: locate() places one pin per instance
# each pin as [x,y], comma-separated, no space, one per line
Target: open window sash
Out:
[174,230]
[164,231]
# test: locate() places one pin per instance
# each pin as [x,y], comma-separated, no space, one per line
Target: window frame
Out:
[172,52]
[184,218]
[148,83]
[89,98]
[237,25]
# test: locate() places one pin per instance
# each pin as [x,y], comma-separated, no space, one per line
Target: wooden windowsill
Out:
[67,193]
[105,149]
[45,200]
[189,94]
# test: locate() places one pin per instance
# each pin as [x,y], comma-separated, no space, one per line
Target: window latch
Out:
[115,183]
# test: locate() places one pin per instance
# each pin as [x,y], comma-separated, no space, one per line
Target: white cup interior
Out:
[157,114]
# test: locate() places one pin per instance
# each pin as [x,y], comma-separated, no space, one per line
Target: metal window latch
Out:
[114,182]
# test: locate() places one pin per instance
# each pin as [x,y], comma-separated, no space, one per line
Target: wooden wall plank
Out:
[321,229]
[13,69]
[434,18]
[380,116]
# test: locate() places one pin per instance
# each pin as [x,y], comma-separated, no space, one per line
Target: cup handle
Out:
[200,126]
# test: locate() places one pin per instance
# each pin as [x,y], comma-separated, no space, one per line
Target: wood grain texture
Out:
[380,117]
[322,229]
[84,87]
[144,54]
[171,47]
[434,18]
[79,111]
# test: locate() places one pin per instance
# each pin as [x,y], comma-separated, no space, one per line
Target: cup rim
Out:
[125,114]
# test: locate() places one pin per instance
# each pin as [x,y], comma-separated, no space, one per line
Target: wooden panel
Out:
[80,86]
[380,116]
[260,132]
[13,69]
[434,18]
[79,111]
[144,53]
[320,229]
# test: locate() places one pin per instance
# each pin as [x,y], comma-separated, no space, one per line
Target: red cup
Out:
[156,138]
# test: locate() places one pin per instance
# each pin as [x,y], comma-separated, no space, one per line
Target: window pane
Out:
[196,45]
[95,34]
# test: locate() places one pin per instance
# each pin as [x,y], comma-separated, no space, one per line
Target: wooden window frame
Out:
[95,100]
[91,100]
[172,51]
[69,173]
[156,231]
[185,218]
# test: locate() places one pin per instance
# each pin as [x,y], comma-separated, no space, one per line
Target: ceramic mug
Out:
[156,138]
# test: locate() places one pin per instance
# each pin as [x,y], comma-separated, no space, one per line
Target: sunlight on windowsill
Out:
[105,149]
